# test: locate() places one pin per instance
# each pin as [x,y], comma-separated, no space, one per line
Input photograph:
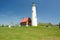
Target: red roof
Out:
[24,20]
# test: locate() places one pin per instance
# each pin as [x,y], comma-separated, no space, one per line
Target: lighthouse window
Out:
[32,11]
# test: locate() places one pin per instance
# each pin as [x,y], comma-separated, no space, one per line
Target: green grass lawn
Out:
[30,33]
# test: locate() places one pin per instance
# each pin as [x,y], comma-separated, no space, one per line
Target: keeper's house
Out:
[26,22]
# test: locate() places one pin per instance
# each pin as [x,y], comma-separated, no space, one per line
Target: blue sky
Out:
[12,11]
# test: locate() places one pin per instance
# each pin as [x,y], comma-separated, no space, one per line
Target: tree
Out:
[2,25]
[59,25]
[49,24]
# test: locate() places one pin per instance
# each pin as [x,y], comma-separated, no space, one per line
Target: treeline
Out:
[4,25]
[48,24]
[45,24]
[16,25]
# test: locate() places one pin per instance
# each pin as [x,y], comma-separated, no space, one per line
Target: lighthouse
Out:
[34,16]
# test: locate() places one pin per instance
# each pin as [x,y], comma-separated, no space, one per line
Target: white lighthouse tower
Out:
[34,16]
